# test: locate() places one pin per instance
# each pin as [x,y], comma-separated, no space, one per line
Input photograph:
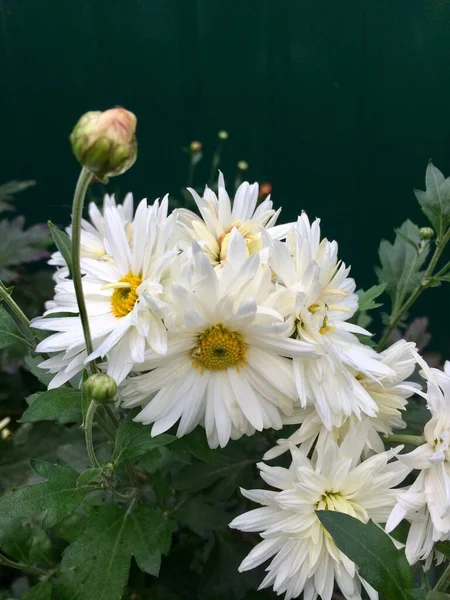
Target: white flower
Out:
[93,233]
[124,298]
[304,556]
[219,216]
[315,290]
[226,365]
[390,393]
[427,503]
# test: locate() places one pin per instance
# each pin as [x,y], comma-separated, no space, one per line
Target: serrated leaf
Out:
[367,297]
[9,332]
[63,243]
[196,445]
[27,544]
[435,201]
[41,591]
[401,263]
[19,245]
[57,497]
[89,477]
[379,561]
[101,555]
[62,405]
[134,439]
[32,363]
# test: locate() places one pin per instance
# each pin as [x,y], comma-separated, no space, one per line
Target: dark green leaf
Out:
[56,497]
[379,562]
[134,439]
[32,363]
[89,477]
[444,548]
[101,556]
[445,277]
[24,543]
[435,201]
[401,263]
[42,591]
[62,405]
[9,332]
[195,444]
[367,298]
[63,243]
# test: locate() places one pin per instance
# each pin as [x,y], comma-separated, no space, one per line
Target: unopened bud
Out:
[195,146]
[105,142]
[101,388]
[265,189]
[222,135]
[426,233]
[242,165]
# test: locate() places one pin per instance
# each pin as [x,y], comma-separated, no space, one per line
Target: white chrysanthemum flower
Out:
[427,502]
[390,393]
[315,290]
[219,216]
[304,556]
[93,233]
[124,298]
[226,365]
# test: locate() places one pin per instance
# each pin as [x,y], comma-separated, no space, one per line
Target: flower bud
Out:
[265,189]
[105,142]
[195,146]
[426,233]
[242,165]
[101,388]
[222,135]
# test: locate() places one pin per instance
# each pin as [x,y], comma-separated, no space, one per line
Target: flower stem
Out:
[77,211]
[17,311]
[20,566]
[426,282]
[443,581]
[414,440]
[88,425]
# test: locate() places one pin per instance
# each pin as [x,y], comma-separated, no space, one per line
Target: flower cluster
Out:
[229,321]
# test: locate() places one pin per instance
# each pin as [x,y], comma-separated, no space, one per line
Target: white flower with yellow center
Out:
[219,216]
[314,290]
[124,299]
[93,233]
[304,557]
[228,364]
[390,393]
[427,503]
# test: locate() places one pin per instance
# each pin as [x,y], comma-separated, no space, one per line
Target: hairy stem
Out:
[20,566]
[426,282]
[77,211]
[414,440]
[88,425]
[17,312]
[443,581]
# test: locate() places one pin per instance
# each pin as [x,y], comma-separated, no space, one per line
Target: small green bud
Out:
[101,388]
[195,146]
[426,233]
[242,165]
[105,142]
[223,135]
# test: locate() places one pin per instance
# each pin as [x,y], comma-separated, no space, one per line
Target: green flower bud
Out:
[242,165]
[101,388]
[105,142]
[222,135]
[426,233]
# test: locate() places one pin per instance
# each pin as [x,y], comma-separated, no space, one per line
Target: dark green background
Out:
[338,103]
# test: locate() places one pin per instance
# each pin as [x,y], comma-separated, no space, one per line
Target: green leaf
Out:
[445,277]
[101,555]
[379,562]
[435,201]
[57,497]
[32,363]
[24,543]
[367,298]
[134,439]
[62,405]
[9,332]
[195,444]
[444,548]
[90,477]
[401,263]
[42,591]
[63,243]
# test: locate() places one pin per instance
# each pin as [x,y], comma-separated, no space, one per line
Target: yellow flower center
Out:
[219,349]
[125,296]
[252,240]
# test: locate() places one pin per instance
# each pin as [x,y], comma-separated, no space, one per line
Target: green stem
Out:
[20,566]
[17,312]
[77,212]
[88,426]
[426,282]
[443,581]
[414,440]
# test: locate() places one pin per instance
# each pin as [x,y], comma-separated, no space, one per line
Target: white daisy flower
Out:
[93,233]
[427,503]
[219,216]
[124,298]
[390,393]
[304,557]
[314,289]
[226,367]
